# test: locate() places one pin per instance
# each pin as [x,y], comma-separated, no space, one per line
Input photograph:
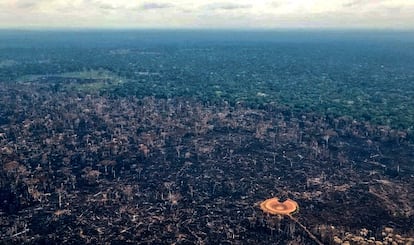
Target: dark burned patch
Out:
[9,201]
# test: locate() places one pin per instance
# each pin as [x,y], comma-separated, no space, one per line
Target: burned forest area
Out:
[90,168]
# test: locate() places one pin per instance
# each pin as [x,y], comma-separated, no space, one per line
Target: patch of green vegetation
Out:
[7,63]
[90,74]
[96,80]
[98,86]
[85,81]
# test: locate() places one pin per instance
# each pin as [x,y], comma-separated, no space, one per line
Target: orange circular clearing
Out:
[273,206]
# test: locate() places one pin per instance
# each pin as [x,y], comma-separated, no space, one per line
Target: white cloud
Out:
[227,6]
[205,13]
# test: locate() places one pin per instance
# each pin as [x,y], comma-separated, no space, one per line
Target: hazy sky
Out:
[395,14]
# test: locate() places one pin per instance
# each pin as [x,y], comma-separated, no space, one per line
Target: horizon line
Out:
[281,29]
